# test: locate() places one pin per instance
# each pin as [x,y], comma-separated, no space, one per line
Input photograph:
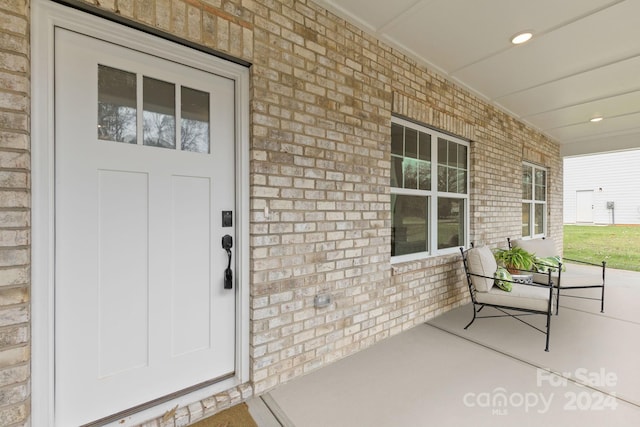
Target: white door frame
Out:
[45,17]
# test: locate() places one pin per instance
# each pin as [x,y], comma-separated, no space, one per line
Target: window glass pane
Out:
[194,125]
[409,224]
[539,219]
[527,182]
[453,154]
[442,178]
[397,138]
[411,143]
[410,173]
[526,219]
[116,105]
[462,182]
[159,113]
[442,151]
[452,179]
[540,185]
[540,177]
[424,175]
[462,156]
[450,223]
[424,146]
[396,171]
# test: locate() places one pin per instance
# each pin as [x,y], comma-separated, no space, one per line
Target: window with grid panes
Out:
[429,191]
[534,200]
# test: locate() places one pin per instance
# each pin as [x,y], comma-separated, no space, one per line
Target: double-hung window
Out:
[534,200]
[429,191]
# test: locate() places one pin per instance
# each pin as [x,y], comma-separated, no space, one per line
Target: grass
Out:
[618,245]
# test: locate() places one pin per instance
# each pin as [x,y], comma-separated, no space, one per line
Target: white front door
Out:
[584,206]
[144,169]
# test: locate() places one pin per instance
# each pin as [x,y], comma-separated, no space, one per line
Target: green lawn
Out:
[618,245]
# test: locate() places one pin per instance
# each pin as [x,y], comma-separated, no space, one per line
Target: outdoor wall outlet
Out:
[322,300]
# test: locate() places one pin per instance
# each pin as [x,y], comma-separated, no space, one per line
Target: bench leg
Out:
[548,330]
[474,315]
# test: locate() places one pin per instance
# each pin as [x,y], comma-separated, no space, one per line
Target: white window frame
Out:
[434,194]
[533,202]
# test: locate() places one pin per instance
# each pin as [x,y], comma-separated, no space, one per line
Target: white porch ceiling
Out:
[583,61]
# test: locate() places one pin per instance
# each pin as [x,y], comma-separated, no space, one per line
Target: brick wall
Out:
[322,96]
[14,212]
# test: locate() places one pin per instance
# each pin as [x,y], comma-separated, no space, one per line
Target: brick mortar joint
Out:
[12,12]
[15,210]
[25,304]
[9,110]
[10,267]
[14,92]
[25,364]
[13,33]
[13,52]
[13,385]
[25,345]
[17,151]
[15,286]
[14,189]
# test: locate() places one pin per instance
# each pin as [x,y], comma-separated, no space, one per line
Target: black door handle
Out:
[227,244]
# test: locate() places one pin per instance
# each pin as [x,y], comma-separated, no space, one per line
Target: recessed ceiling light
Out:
[522,37]
[596,119]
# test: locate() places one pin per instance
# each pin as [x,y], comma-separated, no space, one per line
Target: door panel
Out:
[191,245]
[144,166]
[584,206]
[123,214]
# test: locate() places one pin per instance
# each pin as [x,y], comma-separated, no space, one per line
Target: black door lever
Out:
[227,244]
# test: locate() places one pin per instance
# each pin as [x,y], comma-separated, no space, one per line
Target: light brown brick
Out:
[13,356]
[11,415]
[15,6]
[14,199]
[13,257]
[13,140]
[194,23]
[13,24]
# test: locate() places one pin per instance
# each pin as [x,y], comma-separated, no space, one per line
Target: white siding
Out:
[613,177]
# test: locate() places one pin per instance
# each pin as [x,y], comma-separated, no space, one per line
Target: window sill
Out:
[402,266]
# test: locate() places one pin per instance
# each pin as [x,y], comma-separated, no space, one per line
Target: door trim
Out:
[47,15]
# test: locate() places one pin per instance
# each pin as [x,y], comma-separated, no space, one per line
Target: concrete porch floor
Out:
[496,373]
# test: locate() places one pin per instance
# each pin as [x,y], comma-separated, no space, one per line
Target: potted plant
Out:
[515,259]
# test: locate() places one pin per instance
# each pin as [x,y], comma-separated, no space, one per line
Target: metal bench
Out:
[525,298]
[565,280]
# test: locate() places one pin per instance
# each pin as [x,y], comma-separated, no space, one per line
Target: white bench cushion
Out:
[481,261]
[521,296]
[539,247]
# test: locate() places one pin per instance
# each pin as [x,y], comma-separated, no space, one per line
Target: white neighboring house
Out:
[602,189]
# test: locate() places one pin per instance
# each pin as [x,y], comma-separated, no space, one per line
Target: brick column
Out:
[14,213]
